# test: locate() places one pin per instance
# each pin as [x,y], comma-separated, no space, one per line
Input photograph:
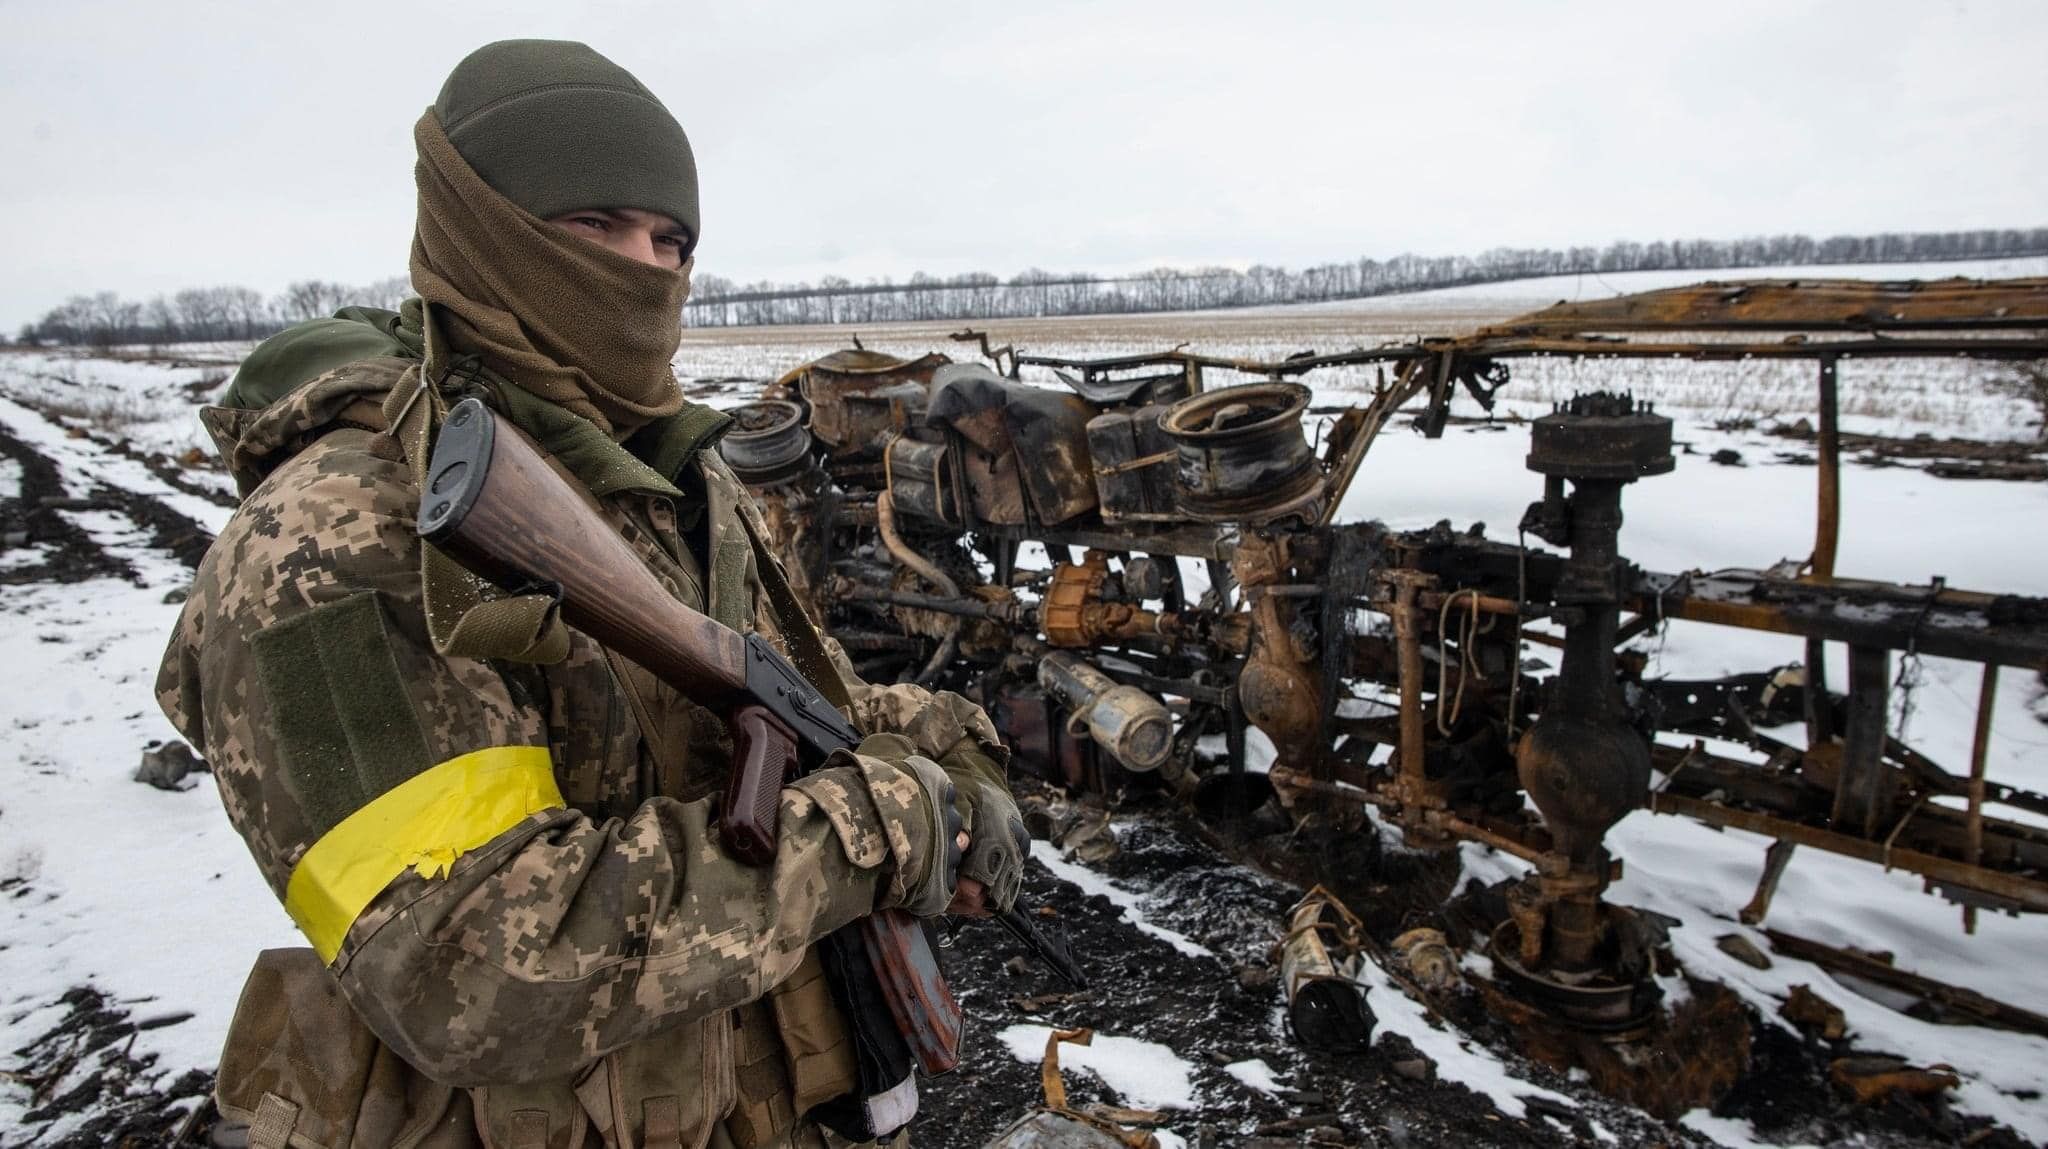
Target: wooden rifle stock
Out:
[494,503]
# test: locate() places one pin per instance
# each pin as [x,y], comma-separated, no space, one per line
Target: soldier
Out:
[498,837]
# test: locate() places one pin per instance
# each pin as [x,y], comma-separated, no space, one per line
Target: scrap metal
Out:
[1198,569]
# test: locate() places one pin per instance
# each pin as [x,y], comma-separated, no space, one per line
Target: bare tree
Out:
[386,294]
[311,299]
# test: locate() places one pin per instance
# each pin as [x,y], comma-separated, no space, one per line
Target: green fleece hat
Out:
[555,127]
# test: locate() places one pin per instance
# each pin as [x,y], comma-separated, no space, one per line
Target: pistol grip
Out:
[764,755]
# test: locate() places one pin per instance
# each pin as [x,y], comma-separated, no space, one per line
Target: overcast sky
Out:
[148,146]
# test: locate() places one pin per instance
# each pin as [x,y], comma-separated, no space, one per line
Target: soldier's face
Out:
[650,237]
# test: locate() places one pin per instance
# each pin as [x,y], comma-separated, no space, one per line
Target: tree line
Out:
[201,314]
[719,302]
[238,313]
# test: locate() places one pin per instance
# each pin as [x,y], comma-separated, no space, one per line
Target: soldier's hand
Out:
[932,891]
[914,794]
[997,842]
[970,898]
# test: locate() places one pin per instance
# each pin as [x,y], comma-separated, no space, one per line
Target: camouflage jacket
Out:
[509,876]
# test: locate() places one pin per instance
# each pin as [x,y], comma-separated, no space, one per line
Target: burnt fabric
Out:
[557,316]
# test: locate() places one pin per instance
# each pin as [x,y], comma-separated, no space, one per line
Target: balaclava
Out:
[528,129]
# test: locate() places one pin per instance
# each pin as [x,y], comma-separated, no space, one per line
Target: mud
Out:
[171,472]
[69,553]
[169,529]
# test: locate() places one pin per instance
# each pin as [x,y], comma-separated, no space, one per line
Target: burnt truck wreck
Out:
[1198,584]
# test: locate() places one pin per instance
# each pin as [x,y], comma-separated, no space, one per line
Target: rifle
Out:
[493,503]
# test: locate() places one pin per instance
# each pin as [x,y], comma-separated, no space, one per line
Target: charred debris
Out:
[1200,587]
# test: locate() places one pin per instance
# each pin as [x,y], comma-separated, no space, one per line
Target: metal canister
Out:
[1126,721]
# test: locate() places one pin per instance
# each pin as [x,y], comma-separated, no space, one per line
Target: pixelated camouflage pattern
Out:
[579,931]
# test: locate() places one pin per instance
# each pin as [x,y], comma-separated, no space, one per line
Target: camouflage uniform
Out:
[514,882]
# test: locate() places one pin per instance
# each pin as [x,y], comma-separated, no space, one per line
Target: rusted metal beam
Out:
[1778,789]
[1408,382]
[1804,305]
[1862,793]
[2007,629]
[1986,1009]
[2027,893]
[1828,519]
[1900,347]
[1980,747]
[1776,858]
[1408,638]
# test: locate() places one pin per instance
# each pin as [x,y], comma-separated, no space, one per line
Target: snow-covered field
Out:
[1529,294]
[149,896]
[1894,398]
[144,894]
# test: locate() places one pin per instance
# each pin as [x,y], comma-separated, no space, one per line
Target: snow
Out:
[148,895]
[1731,1131]
[1143,1074]
[1131,901]
[1255,1074]
[1457,1057]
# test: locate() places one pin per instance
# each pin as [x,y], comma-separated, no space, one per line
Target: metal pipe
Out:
[885,524]
[1828,525]
[1132,725]
[1006,611]
[1979,749]
[1826,537]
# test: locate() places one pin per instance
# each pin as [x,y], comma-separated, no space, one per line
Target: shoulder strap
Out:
[465,617]
[806,645]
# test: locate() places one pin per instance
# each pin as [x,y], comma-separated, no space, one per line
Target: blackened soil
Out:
[1209,1010]
[84,1078]
[1216,1010]
[169,529]
[1212,1011]
[1786,1096]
